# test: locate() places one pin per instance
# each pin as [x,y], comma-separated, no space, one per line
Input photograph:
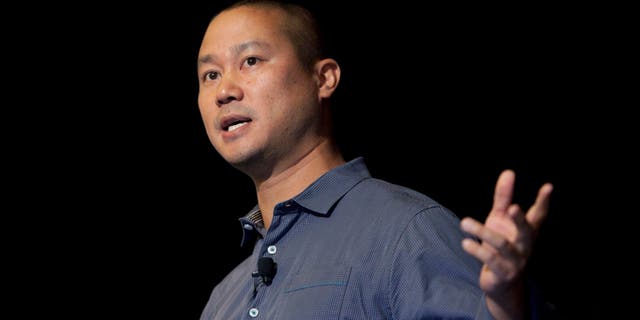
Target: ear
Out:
[328,73]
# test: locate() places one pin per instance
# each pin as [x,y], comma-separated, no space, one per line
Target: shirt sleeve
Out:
[431,276]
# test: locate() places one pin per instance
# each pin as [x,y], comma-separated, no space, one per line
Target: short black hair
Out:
[301,27]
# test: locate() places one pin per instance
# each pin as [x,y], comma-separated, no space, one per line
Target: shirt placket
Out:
[266,296]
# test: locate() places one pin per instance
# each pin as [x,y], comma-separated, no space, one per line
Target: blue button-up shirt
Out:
[353,247]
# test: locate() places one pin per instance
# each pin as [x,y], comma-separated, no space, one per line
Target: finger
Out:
[488,237]
[488,256]
[504,191]
[540,208]
[524,231]
[471,226]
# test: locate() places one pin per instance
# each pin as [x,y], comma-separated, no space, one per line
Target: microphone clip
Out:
[266,271]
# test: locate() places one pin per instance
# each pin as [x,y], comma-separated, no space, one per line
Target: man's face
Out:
[258,103]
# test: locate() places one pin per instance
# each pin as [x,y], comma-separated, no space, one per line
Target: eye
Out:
[211,75]
[252,61]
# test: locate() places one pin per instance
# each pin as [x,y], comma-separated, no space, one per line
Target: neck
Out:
[294,178]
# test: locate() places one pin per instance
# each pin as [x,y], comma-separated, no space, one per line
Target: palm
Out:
[490,279]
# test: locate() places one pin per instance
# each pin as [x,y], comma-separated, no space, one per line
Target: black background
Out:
[124,210]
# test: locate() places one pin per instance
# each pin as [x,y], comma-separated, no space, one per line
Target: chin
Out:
[242,161]
[235,155]
[256,166]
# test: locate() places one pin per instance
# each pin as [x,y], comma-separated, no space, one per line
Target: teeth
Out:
[236,126]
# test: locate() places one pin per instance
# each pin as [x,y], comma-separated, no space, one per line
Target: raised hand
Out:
[506,242]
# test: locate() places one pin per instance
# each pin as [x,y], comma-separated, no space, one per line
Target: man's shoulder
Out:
[395,192]
[392,212]
[384,196]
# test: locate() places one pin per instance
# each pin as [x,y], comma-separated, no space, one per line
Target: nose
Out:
[228,90]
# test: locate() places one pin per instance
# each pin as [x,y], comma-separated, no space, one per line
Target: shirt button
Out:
[247,226]
[287,204]
[253,312]
[272,249]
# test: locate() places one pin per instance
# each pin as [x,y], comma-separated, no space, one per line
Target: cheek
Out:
[267,96]
[205,104]
[207,114]
[279,94]
[279,82]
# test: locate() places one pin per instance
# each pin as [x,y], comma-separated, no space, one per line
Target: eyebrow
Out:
[237,50]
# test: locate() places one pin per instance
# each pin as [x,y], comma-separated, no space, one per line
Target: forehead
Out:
[246,23]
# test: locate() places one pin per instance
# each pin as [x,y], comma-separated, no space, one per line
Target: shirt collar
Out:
[319,197]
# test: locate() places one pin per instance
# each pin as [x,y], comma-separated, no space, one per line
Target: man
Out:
[331,241]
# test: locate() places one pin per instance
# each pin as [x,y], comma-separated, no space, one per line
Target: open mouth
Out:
[234,123]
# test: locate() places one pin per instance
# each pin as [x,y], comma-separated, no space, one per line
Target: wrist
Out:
[510,303]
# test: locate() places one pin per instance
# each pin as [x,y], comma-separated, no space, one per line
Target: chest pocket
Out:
[315,294]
